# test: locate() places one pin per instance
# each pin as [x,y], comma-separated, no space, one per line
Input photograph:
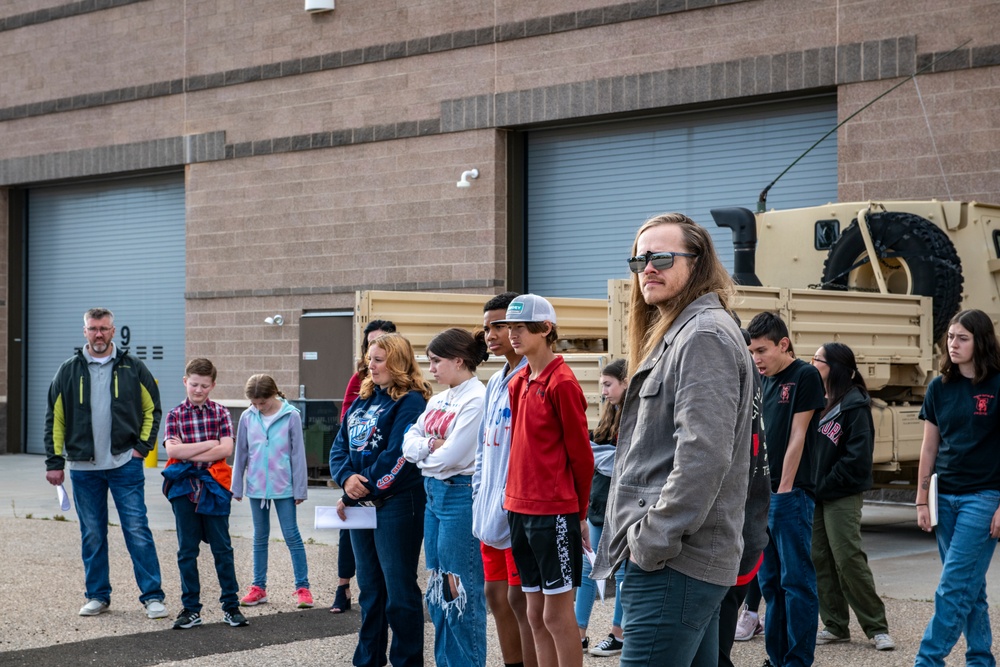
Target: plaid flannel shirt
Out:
[193,423]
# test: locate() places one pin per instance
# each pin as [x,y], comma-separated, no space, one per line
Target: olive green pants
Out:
[843,577]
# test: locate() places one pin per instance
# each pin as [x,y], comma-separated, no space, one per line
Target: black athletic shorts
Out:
[548,551]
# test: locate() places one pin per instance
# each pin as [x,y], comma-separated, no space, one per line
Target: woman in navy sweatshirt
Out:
[366,460]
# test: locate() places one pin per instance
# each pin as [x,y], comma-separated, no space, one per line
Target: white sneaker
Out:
[827,637]
[155,609]
[93,608]
[748,625]
[883,642]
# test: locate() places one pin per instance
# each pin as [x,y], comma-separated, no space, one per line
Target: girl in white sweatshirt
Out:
[443,445]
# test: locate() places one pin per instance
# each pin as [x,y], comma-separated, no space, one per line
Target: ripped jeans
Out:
[458,612]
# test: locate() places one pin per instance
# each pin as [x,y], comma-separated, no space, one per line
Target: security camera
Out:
[466,175]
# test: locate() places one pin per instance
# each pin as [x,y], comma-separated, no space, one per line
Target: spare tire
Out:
[915,255]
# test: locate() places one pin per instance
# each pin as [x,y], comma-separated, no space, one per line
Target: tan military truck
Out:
[582,327]
[948,252]
[813,266]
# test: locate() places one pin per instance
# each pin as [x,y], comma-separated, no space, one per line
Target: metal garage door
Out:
[589,188]
[117,245]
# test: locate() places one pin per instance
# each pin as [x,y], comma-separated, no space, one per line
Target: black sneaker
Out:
[187,619]
[585,642]
[610,645]
[235,618]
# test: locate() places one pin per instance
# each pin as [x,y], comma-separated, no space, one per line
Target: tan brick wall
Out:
[389,212]
[123,46]
[939,26]
[385,92]
[142,120]
[893,151]
[372,214]
[14,7]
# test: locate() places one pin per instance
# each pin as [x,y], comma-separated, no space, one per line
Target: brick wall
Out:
[894,151]
[326,147]
[283,233]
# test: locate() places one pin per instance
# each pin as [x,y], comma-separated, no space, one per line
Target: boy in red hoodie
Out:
[548,483]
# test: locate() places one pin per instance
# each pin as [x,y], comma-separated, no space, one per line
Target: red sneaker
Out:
[304,597]
[255,596]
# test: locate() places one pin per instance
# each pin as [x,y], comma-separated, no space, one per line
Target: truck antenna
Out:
[762,200]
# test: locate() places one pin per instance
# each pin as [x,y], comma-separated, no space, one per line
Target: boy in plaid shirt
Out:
[198,437]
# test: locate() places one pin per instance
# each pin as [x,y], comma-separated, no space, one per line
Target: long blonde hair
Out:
[647,324]
[402,367]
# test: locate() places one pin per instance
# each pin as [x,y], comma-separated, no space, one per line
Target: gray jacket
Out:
[680,480]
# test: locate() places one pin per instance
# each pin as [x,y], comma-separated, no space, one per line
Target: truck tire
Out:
[916,257]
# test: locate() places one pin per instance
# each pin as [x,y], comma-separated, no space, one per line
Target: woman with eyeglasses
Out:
[843,472]
[962,446]
[366,460]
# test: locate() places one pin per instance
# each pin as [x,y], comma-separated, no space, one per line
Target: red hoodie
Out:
[551,462]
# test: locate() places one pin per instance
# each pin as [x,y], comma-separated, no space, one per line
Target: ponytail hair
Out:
[458,343]
[262,386]
[843,376]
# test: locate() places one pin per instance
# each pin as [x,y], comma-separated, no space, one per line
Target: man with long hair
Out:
[676,504]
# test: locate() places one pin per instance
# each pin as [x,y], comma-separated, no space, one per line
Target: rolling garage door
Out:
[590,187]
[118,245]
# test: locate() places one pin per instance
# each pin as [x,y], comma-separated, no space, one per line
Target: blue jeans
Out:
[963,537]
[285,509]
[449,548]
[788,581]
[192,530]
[389,595]
[587,592]
[127,485]
[669,618]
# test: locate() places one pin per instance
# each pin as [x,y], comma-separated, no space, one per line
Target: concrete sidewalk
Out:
[24,491]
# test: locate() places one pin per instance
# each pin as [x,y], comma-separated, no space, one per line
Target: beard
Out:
[100,347]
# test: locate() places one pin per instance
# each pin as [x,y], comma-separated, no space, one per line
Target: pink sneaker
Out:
[255,596]
[304,597]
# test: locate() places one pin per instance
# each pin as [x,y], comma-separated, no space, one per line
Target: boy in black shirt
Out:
[793,397]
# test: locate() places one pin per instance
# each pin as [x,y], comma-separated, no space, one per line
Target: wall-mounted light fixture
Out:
[319,6]
[276,320]
[466,175]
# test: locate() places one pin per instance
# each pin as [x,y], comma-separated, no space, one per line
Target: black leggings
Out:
[346,567]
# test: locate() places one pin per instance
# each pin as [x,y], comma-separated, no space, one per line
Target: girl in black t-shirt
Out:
[962,445]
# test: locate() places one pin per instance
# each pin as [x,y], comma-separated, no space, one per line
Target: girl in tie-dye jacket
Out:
[270,456]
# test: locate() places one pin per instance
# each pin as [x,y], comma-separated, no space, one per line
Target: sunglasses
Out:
[660,260]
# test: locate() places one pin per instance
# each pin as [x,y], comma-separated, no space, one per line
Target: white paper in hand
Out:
[592,557]
[357,517]
[932,500]
[63,498]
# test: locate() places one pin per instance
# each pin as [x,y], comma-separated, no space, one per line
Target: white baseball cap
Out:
[529,308]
